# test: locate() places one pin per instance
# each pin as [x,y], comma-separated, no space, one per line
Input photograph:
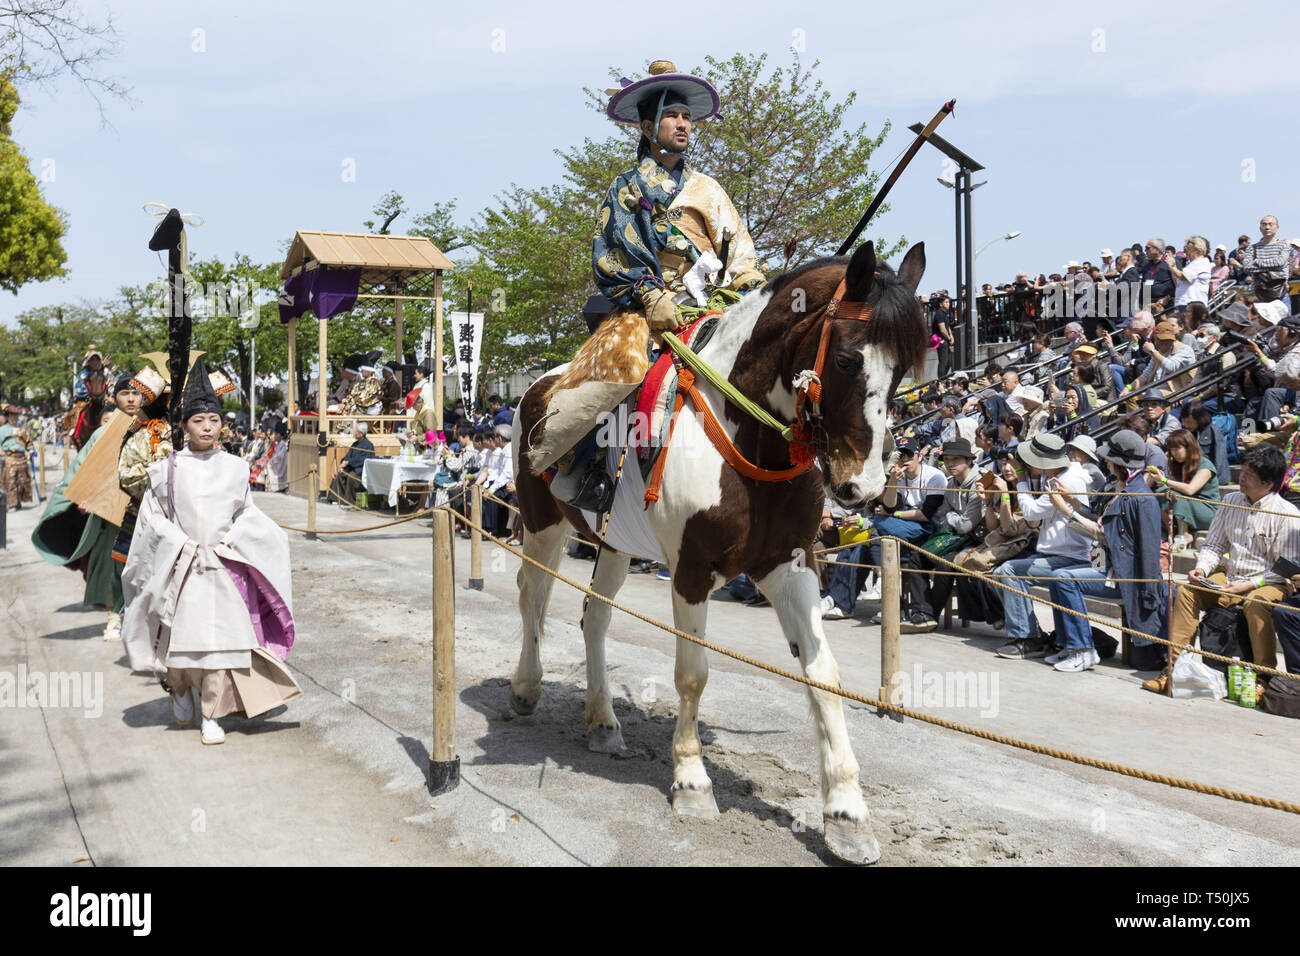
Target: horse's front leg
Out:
[792,589]
[692,791]
[604,735]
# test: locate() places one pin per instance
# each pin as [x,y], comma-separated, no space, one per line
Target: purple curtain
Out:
[325,291]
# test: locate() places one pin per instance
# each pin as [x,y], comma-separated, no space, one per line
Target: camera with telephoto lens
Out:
[999,452]
[1232,338]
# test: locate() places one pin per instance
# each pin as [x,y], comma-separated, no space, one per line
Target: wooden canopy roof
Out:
[380,258]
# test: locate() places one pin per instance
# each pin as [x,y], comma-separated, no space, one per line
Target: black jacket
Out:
[362,449]
[1162,283]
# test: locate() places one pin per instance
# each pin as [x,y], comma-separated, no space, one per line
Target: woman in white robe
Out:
[207,581]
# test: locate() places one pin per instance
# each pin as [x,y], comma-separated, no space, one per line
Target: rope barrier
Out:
[1041,749]
[1126,630]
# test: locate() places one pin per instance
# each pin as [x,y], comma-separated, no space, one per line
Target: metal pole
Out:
[956,255]
[444,765]
[890,584]
[476,539]
[252,381]
[4,517]
[42,457]
[970,273]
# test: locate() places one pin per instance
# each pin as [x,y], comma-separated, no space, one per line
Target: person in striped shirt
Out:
[1237,559]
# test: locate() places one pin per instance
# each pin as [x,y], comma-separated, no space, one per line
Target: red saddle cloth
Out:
[654,401]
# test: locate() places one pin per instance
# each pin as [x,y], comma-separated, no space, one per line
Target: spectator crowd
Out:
[1085,460]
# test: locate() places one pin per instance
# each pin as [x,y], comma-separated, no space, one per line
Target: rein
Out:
[808,392]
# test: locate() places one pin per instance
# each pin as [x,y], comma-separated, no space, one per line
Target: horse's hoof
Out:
[603,739]
[695,803]
[852,841]
[521,706]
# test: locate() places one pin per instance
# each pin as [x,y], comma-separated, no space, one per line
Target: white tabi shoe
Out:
[113,629]
[211,732]
[183,708]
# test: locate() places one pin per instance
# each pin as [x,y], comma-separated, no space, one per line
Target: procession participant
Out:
[209,598]
[390,390]
[69,536]
[661,231]
[88,394]
[14,444]
[365,396]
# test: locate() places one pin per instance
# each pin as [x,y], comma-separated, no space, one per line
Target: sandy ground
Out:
[337,777]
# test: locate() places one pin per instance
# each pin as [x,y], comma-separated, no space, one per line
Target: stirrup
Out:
[593,490]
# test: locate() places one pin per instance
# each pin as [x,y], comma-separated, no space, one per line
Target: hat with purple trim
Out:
[699,95]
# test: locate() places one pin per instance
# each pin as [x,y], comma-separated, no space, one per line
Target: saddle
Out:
[586,476]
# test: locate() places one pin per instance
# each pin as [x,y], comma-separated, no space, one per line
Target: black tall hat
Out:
[168,232]
[199,395]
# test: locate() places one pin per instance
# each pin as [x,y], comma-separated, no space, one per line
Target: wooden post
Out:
[397,321]
[313,492]
[476,539]
[41,455]
[437,347]
[444,765]
[293,376]
[890,583]
[66,442]
[322,402]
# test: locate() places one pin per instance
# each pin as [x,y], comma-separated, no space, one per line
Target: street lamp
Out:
[250,324]
[1009,235]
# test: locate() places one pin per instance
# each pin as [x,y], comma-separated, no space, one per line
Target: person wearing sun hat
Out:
[1060,545]
[1129,527]
[661,234]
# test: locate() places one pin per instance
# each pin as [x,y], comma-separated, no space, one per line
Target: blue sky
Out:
[1097,127]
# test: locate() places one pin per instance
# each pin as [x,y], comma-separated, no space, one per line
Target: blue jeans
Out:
[1286,623]
[1117,376]
[1021,622]
[846,581]
[1076,632]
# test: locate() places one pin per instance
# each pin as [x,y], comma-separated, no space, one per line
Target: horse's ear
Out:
[913,266]
[862,272]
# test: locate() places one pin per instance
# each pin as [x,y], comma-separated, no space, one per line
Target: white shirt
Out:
[912,492]
[1252,541]
[1288,366]
[499,468]
[1056,535]
[1195,284]
[1014,403]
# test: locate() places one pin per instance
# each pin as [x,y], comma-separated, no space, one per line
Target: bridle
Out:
[808,428]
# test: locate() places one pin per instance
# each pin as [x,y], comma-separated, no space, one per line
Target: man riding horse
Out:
[663,233]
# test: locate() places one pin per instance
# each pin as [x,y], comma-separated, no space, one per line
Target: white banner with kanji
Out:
[467,345]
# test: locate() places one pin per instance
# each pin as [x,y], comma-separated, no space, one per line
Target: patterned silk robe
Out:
[650,211]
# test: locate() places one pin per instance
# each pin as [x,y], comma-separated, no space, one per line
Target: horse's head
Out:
[865,360]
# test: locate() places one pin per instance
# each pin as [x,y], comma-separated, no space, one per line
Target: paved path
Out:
[337,776]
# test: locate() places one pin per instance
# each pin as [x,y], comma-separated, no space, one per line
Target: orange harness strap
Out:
[730,453]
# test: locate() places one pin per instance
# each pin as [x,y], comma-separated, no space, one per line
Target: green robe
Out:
[65,536]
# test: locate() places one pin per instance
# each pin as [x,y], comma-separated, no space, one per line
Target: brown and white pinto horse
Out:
[712,523]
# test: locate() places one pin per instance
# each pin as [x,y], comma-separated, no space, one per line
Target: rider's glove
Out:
[660,311]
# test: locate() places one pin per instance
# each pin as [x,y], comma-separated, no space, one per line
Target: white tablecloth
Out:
[384,476]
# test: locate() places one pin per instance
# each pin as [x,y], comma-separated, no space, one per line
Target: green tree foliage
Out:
[41,356]
[30,228]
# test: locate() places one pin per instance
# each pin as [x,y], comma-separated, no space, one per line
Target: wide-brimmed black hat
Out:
[958,446]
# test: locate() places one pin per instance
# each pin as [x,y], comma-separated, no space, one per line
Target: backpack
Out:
[1281,697]
[1223,631]
[1227,425]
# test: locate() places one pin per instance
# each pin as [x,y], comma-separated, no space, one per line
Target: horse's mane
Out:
[896,321]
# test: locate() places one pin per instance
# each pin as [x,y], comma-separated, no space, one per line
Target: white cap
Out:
[1107,254]
[1031,393]
[1072,264]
